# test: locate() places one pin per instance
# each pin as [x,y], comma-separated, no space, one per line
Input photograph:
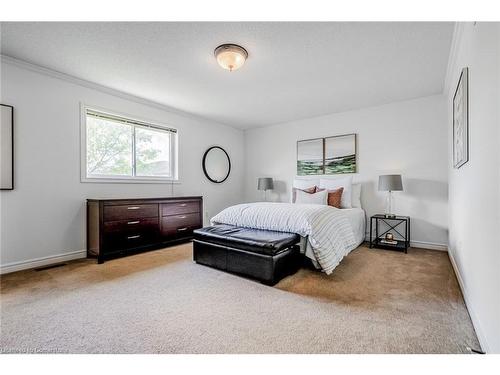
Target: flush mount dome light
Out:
[230,56]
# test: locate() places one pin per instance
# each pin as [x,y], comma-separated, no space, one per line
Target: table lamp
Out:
[265,183]
[390,183]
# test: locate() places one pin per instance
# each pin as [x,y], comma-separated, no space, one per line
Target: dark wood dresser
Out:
[120,226]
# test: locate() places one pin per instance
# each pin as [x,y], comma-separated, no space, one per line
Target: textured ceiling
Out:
[294,70]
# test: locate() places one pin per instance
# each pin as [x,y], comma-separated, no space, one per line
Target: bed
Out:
[327,233]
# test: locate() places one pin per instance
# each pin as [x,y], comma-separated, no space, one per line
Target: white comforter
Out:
[327,229]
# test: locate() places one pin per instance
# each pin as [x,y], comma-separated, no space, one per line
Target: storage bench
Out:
[267,256]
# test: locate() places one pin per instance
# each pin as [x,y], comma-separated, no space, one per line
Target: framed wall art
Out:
[6,147]
[461,120]
[310,156]
[329,155]
[340,154]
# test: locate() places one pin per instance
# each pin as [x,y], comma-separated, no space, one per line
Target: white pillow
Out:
[305,183]
[335,183]
[356,195]
[320,197]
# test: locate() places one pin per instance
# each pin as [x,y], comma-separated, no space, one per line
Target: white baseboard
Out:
[422,244]
[429,245]
[40,262]
[475,319]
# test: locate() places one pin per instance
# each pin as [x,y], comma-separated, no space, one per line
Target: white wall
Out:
[45,214]
[406,137]
[474,189]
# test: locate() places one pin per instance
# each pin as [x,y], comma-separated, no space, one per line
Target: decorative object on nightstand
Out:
[391,238]
[390,183]
[265,183]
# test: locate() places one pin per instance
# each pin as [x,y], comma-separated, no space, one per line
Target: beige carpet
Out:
[376,301]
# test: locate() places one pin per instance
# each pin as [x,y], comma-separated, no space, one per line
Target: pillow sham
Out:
[356,195]
[310,190]
[335,183]
[315,198]
[334,196]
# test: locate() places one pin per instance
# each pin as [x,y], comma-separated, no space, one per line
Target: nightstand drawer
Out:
[130,211]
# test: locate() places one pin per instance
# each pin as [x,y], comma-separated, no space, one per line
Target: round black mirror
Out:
[216,164]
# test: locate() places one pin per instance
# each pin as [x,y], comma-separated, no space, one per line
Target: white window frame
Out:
[126,179]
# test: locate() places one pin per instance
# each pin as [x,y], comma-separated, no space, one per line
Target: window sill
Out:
[107,180]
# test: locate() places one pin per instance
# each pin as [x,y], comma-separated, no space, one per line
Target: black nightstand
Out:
[395,225]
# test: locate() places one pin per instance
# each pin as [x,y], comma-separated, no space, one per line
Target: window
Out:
[120,148]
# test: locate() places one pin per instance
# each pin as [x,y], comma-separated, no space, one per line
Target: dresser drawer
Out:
[180,224]
[118,242]
[132,225]
[130,211]
[114,240]
[177,208]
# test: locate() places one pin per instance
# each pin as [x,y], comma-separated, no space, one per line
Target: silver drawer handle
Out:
[184,205]
[182,217]
[133,208]
[132,237]
[182,229]
[134,222]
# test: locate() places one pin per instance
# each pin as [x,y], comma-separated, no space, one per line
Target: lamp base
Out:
[388,206]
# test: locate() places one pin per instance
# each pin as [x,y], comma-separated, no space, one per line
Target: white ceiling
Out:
[294,70]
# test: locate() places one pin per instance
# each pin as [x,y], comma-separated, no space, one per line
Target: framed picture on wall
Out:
[6,147]
[461,120]
[330,155]
[340,154]
[310,156]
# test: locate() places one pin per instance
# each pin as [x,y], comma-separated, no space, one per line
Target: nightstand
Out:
[399,226]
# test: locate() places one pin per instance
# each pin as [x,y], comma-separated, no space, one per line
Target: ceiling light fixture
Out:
[230,56]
